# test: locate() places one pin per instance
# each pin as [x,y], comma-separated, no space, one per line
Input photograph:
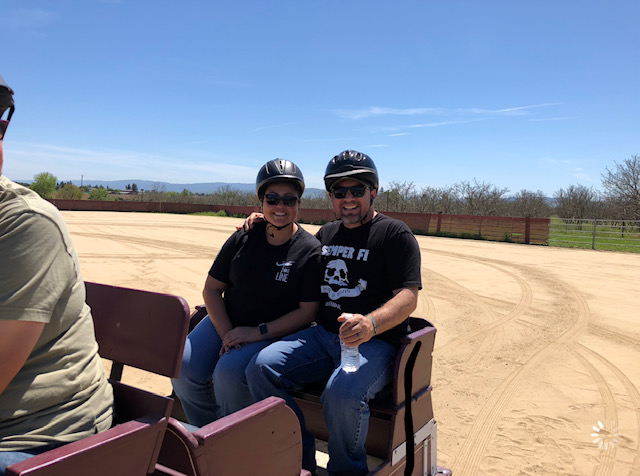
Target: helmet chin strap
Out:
[278,228]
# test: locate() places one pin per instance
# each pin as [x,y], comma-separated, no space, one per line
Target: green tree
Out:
[99,194]
[70,192]
[44,184]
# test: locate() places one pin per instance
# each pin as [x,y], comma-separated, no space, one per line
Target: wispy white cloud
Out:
[521,109]
[28,159]
[386,111]
[545,119]
[375,111]
[440,124]
[393,133]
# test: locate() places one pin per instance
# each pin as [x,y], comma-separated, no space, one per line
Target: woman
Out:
[264,284]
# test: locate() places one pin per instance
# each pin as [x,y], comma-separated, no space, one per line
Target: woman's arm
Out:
[282,326]
[212,294]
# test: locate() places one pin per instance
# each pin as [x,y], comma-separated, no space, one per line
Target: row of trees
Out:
[47,186]
[620,199]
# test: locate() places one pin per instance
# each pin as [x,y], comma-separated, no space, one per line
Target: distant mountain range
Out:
[208,187]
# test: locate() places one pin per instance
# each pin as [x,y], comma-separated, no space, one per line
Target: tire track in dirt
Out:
[468,459]
[616,337]
[632,393]
[605,464]
[523,304]
[197,251]
[425,308]
[485,340]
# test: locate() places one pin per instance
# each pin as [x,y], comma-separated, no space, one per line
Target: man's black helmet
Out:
[351,164]
[278,170]
[6,96]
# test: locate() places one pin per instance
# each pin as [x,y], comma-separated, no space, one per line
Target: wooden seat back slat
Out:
[134,328]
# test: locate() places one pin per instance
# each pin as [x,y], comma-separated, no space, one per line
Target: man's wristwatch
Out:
[263,329]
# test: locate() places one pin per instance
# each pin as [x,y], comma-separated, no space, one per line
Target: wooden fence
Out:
[514,229]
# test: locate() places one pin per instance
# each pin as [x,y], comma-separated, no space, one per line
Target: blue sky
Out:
[523,94]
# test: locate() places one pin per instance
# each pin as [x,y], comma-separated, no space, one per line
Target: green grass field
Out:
[609,235]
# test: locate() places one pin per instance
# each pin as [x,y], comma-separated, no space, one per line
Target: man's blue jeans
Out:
[313,355]
[7,458]
[201,366]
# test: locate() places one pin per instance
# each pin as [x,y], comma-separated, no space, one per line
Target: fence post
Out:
[439,222]
[527,229]
[593,244]
[428,223]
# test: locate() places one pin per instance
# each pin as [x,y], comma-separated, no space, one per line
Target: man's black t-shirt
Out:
[264,281]
[363,266]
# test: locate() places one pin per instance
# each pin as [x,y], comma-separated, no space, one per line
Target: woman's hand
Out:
[238,337]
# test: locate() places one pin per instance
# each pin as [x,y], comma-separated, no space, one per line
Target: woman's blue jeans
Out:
[202,368]
[313,355]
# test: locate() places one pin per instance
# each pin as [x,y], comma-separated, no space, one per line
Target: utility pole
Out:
[81,179]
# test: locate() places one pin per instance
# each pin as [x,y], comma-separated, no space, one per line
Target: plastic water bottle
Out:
[350,356]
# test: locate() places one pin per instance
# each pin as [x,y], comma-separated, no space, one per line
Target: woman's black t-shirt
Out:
[264,282]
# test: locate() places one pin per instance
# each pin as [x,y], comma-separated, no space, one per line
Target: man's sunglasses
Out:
[274,199]
[4,123]
[357,191]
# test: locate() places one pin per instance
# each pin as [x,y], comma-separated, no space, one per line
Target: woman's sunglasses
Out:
[357,191]
[274,199]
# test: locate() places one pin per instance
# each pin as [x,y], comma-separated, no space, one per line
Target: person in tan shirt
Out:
[53,388]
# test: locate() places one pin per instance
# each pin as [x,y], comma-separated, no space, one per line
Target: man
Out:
[53,388]
[371,270]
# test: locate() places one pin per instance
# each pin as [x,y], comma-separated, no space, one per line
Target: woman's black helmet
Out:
[351,164]
[278,170]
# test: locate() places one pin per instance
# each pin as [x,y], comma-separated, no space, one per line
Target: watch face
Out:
[263,328]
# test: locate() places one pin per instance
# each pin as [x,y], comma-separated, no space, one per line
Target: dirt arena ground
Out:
[537,347]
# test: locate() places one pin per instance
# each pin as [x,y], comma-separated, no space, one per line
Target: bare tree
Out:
[437,200]
[226,195]
[481,198]
[320,201]
[398,197]
[622,188]
[578,202]
[530,204]
[158,193]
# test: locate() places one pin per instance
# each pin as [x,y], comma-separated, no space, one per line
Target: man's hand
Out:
[255,217]
[355,329]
